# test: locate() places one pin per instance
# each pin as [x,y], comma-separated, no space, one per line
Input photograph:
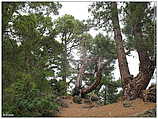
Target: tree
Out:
[107,12]
[109,90]
[29,46]
[143,33]
[11,9]
[123,65]
[69,31]
[97,55]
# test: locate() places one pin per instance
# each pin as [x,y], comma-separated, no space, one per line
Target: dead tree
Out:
[78,90]
[78,83]
[97,75]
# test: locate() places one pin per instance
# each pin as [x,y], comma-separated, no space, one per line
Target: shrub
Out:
[27,100]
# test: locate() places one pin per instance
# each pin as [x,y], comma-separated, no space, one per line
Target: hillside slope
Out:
[112,110]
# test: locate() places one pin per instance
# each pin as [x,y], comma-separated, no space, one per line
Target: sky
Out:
[80,11]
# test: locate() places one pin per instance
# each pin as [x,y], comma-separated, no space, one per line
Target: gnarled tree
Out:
[95,61]
[98,75]
[141,22]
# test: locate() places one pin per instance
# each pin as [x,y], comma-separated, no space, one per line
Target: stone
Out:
[77,99]
[148,113]
[94,98]
[61,102]
[88,106]
[65,105]
[87,101]
[127,104]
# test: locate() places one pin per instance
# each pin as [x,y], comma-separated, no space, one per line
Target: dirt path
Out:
[111,110]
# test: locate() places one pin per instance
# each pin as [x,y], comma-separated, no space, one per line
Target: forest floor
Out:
[137,107]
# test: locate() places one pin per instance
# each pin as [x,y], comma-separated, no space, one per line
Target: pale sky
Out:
[80,11]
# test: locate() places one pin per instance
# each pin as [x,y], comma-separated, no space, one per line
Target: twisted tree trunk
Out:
[98,77]
[146,66]
[78,83]
[132,86]
[78,90]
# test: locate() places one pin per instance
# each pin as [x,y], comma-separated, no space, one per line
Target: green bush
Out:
[27,100]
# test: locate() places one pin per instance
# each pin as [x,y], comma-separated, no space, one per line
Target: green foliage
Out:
[32,25]
[7,10]
[109,90]
[29,48]
[68,30]
[104,47]
[24,99]
[45,8]
[11,9]
[101,46]
[101,15]
[142,14]
[85,43]
[68,24]
[58,87]
[131,14]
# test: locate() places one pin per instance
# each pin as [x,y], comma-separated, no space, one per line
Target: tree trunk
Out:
[78,90]
[141,81]
[78,83]
[146,66]
[132,86]
[122,61]
[98,76]
[105,96]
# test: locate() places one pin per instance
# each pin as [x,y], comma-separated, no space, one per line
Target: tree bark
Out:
[122,61]
[146,66]
[97,81]
[78,90]
[78,83]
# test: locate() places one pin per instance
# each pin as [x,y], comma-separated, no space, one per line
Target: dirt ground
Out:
[112,110]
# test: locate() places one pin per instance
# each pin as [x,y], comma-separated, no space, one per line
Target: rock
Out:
[63,97]
[94,98]
[99,103]
[86,96]
[65,105]
[88,106]
[148,113]
[87,101]
[58,100]
[151,113]
[66,97]
[61,102]
[127,104]
[77,99]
